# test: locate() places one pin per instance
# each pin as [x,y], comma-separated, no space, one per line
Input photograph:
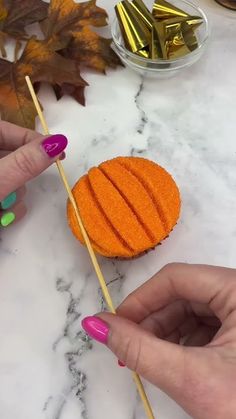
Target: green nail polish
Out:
[7,219]
[9,201]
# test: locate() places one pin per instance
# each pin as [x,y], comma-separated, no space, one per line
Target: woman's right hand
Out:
[191,302]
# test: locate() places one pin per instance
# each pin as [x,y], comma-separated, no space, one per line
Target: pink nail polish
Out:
[96,328]
[121,364]
[54,145]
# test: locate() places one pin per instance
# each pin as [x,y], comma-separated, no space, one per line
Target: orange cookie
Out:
[127,204]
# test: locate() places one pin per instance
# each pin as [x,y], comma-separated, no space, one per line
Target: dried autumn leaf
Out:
[15,15]
[66,17]
[15,102]
[69,20]
[69,44]
[92,50]
[41,61]
[77,92]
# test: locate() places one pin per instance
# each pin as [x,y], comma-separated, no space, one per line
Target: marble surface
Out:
[48,367]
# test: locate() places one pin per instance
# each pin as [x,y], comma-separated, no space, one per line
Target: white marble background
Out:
[48,368]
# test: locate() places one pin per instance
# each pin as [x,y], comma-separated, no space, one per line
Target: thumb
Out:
[158,361]
[29,161]
[190,376]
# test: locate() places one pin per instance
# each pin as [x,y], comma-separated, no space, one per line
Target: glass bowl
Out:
[162,68]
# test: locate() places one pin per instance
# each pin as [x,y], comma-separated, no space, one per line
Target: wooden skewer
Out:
[93,257]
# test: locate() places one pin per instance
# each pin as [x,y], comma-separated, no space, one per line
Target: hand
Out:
[182,303]
[24,154]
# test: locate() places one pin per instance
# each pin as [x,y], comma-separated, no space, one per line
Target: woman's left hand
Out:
[24,154]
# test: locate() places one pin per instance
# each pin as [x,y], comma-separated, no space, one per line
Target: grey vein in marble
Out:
[142,114]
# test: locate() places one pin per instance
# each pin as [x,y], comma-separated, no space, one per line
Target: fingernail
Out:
[96,328]
[8,201]
[54,145]
[7,219]
[62,156]
[121,364]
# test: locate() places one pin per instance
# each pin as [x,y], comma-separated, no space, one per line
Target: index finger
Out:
[13,137]
[209,285]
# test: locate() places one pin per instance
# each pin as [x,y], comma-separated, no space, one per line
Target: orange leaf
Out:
[77,92]
[69,44]
[92,50]
[70,21]
[15,102]
[66,16]
[15,15]
[41,61]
